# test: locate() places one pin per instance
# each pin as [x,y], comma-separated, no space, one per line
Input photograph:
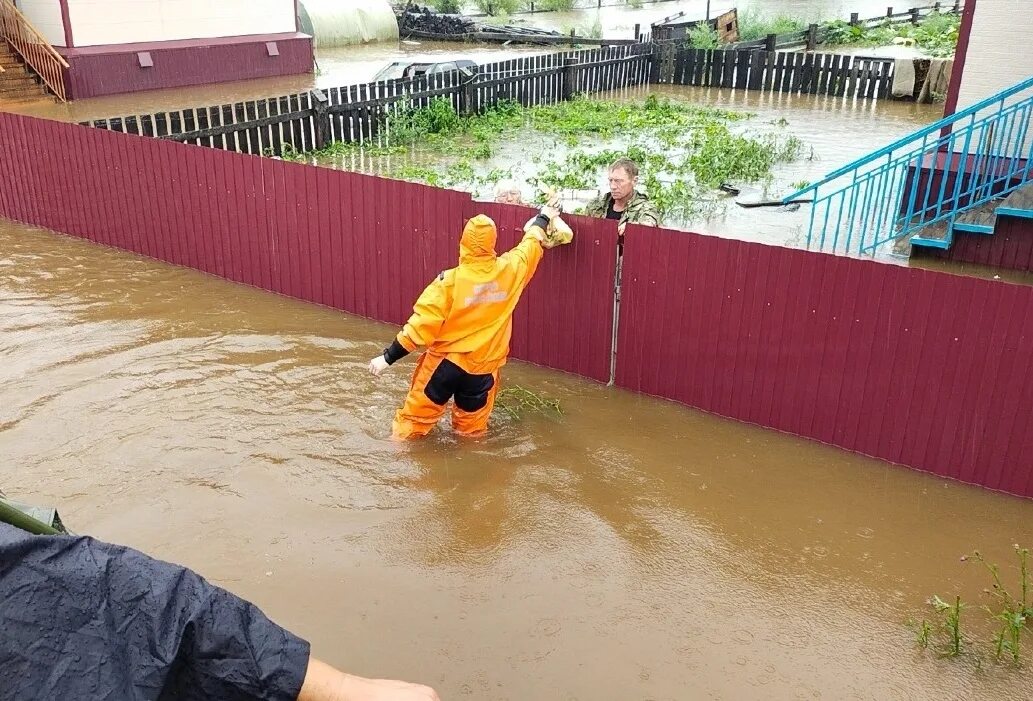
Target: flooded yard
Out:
[830,132]
[630,549]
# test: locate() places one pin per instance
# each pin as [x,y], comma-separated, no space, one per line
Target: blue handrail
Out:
[926,177]
[911,138]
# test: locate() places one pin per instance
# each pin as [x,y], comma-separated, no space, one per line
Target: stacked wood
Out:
[423,20]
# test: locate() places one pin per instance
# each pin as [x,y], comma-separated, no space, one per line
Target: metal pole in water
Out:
[19,519]
[708,10]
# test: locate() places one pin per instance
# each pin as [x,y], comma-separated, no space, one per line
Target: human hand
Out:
[550,210]
[324,683]
[378,365]
[361,689]
[621,227]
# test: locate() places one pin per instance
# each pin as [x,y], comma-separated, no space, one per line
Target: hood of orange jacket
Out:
[477,246]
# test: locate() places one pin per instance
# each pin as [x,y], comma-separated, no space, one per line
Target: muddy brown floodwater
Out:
[345,65]
[633,549]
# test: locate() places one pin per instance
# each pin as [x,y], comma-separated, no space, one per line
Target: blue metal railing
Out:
[933,175]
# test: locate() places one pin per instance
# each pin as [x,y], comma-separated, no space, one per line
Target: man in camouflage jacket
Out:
[623,202]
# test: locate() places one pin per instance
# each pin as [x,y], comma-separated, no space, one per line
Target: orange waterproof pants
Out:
[436,381]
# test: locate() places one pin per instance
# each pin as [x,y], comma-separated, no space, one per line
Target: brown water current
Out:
[632,549]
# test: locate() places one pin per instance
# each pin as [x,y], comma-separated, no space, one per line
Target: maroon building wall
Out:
[109,70]
[915,367]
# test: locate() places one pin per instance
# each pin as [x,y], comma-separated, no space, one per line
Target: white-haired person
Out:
[508,192]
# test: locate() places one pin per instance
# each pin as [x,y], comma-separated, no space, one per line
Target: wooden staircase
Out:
[997,234]
[16,82]
[982,219]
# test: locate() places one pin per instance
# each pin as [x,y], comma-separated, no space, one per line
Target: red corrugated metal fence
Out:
[565,320]
[916,367]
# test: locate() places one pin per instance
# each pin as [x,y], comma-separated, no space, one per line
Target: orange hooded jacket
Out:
[466,314]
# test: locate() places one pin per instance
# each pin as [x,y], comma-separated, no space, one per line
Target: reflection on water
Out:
[632,549]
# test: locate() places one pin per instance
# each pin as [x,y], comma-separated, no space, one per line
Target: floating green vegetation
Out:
[516,402]
[685,151]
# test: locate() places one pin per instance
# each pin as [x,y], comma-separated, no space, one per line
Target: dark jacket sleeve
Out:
[82,619]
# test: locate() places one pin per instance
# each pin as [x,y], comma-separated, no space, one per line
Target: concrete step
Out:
[1018,203]
[936,235]
[10,97]
[26,87]
[21,99]
[25,83]
[978,220]
[10,77]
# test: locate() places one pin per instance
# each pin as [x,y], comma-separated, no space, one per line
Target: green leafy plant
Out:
[1009,609]
[936,34]
[448,7]
[703,36]
[1013,611]
[497,8]
[754,25]
[951,625]
[554,5]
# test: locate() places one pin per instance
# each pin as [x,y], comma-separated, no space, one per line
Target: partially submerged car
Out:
[411,69]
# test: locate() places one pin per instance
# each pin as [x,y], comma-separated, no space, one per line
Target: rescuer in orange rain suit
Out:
[464,319]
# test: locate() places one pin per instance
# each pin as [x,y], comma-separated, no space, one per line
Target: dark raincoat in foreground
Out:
[83,620]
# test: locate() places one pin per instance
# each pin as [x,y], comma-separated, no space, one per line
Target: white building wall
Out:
[45,16]
[999,54]
[102,22]
[999,49]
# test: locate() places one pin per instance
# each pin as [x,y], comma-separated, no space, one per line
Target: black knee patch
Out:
[449,380]
[443,383]
[472,394]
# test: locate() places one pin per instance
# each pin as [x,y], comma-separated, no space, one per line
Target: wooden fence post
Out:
[855,18]
[572,40]
[889,11]
[916,15]
[957,6]
[638,36]
[654,64]
[321,118]
[769,42]
[468,94]
[812,37]
[936,6]
[569,80]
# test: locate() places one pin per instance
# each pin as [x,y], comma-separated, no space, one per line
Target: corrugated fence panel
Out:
[565,319]
[362,244]
[916,367]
